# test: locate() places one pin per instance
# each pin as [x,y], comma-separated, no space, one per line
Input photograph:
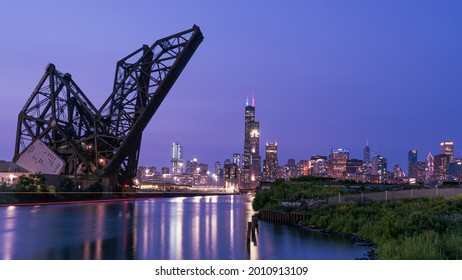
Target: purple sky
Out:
[325,73]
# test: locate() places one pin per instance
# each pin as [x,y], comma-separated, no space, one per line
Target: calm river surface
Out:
[203,228]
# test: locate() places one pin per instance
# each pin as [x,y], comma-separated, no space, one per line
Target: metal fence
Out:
[393,195]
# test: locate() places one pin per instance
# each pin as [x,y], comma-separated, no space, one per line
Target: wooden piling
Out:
[249,225]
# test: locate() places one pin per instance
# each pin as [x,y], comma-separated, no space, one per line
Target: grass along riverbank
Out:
[422,228]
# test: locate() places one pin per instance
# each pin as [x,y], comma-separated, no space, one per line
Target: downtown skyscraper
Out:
[177,158]
[337,160]
[367,153]
[251,160]
[271,164]
[447,148]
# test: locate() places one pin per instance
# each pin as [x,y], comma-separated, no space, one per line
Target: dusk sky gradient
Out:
[326,74]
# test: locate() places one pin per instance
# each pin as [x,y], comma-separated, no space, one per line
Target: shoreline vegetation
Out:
[405,229]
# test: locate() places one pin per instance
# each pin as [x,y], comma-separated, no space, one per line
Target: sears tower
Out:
[251,161]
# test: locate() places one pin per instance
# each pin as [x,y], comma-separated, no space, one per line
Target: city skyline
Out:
[366,157]
[325,75]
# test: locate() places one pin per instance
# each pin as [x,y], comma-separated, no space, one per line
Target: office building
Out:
[165,171]
[412,167]
[354,166]
[251,162]
[430,170]
[177,159]
[447,148]
[303,167]
[455,170]
[397,172]
[271,163]
[237,159]
[292,168]
[337,162]
[191,166]
[367,153]
[441,167]
[318,166]
[379,168]
[231,176]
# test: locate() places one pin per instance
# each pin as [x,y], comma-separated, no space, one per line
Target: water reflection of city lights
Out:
[176,229]
[196,199]
[8,235]
[99,231]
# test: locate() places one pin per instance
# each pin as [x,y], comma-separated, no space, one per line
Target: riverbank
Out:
[301,220]
[417,228]
[423,228]
[31,199]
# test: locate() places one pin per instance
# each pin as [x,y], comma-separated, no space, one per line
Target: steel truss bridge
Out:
[103,142]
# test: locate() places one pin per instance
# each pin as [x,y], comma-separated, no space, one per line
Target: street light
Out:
[11,179]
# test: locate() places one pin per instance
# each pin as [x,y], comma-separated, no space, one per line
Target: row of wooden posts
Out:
[274,216]
[252,227]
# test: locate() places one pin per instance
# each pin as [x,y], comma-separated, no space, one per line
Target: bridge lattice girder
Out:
[60,115]
[105,142]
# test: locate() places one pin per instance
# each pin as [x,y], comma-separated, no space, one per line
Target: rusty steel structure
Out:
[104,142]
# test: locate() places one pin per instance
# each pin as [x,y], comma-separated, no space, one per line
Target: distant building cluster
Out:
[194,174]
[244,172]
[441,167]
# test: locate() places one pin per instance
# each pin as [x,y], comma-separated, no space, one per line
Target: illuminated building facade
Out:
[251,161]
[303,168]
[379,167]
[231,176]
[420,170]
[447,148]
[338,159]
[441,166]
[455,170]
[218,170]
[430,170]
[397,172]
[367,153]
[146,174]
[354,170]
[177,159]
[191,166]
[165,171]
[218,175]
[237,159]
[271,163]
[412,164]
[354,166]
[291,168]
[318,166]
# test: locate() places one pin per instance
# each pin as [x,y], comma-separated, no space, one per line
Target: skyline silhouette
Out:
[325,75]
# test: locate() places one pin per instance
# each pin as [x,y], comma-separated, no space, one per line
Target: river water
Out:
[197,228]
